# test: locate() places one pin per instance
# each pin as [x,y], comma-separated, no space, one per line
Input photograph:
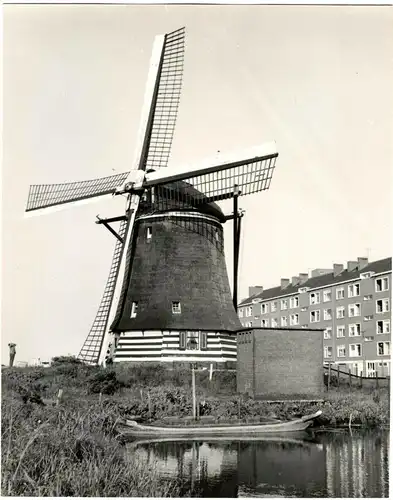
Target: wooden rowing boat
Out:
[134,429]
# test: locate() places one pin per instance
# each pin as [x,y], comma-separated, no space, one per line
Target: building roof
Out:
[378,266]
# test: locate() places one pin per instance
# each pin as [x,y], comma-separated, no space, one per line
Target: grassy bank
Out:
[74,450]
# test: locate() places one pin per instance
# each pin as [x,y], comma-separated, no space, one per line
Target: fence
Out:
[336,377]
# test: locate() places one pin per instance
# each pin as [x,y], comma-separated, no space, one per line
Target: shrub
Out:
[105,382]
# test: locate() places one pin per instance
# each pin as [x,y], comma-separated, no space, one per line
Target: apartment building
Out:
[352,305]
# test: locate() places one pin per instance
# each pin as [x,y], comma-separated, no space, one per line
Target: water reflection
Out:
[323,464]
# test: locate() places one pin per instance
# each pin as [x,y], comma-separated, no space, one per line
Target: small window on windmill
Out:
[217,235]
[176,308]
[203,340]
[134,309]
[149,232]
[182,340]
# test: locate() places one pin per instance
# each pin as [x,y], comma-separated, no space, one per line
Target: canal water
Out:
[319,464]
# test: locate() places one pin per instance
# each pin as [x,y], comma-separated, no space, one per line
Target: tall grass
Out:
[56,451]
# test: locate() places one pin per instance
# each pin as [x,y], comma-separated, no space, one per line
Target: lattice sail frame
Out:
[91,349]
[49,195]
[167,100]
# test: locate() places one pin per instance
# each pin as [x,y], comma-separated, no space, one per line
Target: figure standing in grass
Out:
[12,353]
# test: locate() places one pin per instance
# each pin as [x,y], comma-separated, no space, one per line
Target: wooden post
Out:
[329,375]
[59,397]
[149,403]
[236,193]
[376,381]
[361,379]
[141,393]
[350,379]
[100,398]
[338,376]
[239,408]
[193,392]
[211,372]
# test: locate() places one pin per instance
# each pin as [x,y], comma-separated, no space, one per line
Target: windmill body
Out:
[167,296]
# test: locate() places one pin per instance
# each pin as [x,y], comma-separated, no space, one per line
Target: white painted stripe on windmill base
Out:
[63,206]
[193,215]
[219,160]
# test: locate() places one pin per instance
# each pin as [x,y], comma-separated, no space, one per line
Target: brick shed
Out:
[280,363]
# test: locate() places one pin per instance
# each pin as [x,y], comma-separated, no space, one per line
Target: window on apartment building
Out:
[383,348]
[241,313]
[327,314]
[176,307]
[284,321]
[340,312]
[294,302]
[149,233]
[248,325]
[264,308]
[273,306]
[354,290]
[341,351]
[353,310]
[327,351]
[383,326]
[327,295]
[340,331]
[381,284]
[248,311]
[315,316]
[265,323]
[382,305]
[368,338]
[284,304]
[340,294]
[355,350]
[294,319]
[327,334]
[368,317]
[274,322]
[315,298]
[368,297]
[134,309]
[354,330]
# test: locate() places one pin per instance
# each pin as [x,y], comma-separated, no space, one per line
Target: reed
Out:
[61,451]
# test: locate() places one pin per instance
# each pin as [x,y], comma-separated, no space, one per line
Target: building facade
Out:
[352,305]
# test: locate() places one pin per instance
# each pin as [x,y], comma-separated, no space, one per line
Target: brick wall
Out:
[287,363]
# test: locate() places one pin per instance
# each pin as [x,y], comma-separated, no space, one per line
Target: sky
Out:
[317,80]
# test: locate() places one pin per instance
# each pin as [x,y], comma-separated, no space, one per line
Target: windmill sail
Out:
[91,349]
[167,100]
[206,184]
[48,195]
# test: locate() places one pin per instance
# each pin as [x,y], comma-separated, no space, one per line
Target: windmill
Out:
[174,301]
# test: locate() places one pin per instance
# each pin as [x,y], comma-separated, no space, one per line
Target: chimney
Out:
[303,277]
[352,265]
[295,280]
[337,269]
[320,272]
[284,283]
[362,262]
[253,290]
